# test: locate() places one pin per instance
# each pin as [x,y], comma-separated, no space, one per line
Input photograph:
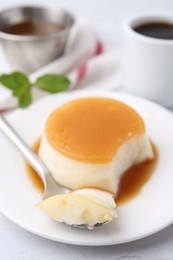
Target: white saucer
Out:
[149,212]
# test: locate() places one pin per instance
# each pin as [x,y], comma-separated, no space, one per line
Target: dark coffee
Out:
[33,28]
[158,29]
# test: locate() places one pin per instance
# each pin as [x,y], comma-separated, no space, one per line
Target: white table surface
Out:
[16,243]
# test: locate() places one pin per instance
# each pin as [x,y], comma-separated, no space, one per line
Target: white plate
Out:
[149,212]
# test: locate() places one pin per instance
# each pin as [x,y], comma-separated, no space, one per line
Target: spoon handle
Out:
[30,156]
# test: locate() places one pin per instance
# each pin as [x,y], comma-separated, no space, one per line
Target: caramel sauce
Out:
[130,184]
[134,179]
[92,129]
[32,174]
[33,28]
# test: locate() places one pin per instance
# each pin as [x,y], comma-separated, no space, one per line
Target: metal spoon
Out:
[51,187]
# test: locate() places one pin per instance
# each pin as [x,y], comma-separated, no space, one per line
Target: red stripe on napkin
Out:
[82,70]
[99,48]
[4,110]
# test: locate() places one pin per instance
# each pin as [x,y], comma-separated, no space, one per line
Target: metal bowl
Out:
[30,52]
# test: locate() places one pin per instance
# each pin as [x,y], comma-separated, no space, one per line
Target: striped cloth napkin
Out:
[87,62]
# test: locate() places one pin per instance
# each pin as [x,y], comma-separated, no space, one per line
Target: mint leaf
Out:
[53,83]
[21,87]
[24,97]
[14,80]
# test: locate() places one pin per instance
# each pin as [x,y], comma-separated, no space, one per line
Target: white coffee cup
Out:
[147,61]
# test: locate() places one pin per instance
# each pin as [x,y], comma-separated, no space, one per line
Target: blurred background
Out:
[107,15]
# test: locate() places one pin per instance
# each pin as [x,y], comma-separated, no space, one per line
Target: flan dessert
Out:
[91,142]
[87,145]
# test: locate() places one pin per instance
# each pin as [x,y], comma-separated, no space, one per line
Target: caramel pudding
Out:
[87,145]
[91,142]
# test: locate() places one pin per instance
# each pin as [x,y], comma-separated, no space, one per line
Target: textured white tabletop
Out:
[16,243]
